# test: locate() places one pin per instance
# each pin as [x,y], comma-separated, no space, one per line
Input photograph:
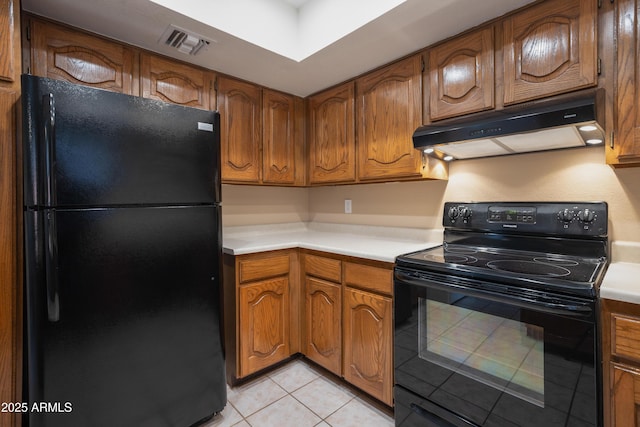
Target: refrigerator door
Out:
[137,338]
[90,147]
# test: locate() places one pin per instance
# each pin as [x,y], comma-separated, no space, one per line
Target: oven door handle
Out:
[433,419]
[541,305]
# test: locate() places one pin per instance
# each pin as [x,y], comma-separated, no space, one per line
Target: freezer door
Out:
[89,147]
[137,340]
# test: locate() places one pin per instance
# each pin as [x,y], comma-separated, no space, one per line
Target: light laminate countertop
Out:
[621,282]
[369,242]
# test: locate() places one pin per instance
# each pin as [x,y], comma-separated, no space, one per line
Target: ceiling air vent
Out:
[183,40]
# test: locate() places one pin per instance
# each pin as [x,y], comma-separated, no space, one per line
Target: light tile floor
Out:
[299,395]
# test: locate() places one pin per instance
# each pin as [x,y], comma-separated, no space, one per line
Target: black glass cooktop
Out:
[509,265]
[548,246]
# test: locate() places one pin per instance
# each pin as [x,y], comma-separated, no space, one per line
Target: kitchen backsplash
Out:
[575,174]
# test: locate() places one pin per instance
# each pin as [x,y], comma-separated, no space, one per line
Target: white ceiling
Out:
[297,46]
[296,3]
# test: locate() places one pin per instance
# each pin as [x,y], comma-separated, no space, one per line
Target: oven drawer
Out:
[412,410]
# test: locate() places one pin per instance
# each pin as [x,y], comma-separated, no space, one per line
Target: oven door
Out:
[469,353]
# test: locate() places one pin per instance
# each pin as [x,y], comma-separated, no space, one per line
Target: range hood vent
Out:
[573,120]
[183,40]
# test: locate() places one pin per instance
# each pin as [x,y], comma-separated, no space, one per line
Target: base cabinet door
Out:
[625,388]
[323,315]
[621,357]
[368,347]
[264,324]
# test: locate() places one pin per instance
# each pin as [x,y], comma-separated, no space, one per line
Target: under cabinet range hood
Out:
[572,120]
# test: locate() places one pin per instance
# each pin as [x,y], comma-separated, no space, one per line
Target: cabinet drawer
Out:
[254,269]
[324,268]
[371,278]
[625,336]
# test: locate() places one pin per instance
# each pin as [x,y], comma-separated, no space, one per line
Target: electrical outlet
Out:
[347,206]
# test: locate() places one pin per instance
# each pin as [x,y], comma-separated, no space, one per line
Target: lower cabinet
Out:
[261,314]
[348,314]
[621,363]
[264,324]
[334,309]
[322,323]
[368,346]
[367,326]
[625,395]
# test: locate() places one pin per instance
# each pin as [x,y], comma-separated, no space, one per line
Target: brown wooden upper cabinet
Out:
[170,81]
[64,54]
[240,106]
[260,134]
[278,138]
[550,48]
[624,149]
[461,76]
[332,142]
[7,40]
[388,111]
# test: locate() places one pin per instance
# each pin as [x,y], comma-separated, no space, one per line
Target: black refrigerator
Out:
[122,239]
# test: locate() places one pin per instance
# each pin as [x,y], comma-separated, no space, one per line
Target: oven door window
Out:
[495,363]
[503,353]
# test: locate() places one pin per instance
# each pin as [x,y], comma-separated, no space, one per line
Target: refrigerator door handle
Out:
[51,266]
[49,164]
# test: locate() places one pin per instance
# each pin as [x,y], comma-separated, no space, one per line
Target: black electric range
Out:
[492,326]
[550,246]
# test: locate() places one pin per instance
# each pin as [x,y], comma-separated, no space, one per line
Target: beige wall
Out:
[576,175]
[247,205]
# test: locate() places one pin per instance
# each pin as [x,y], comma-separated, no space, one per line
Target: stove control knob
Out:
[565,215]
[586,215]
[453,213]
[465,212]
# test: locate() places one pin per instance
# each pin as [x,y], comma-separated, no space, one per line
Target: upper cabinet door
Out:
[7,39]
[388,111]
[461,77]
[278,137]
[550,48]
[240,106]
[59,53]
[171,81]
[332,145]
[625,147]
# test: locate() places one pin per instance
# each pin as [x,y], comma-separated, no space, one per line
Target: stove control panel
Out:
[554,218]
[512,214]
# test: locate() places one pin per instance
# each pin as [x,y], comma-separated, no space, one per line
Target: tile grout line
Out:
[317,376]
